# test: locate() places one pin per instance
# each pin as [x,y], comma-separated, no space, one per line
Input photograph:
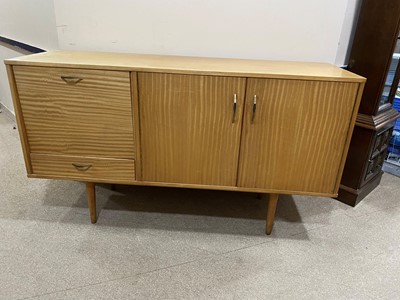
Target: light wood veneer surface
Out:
[188,65]
[298,135]
[92,117]
[188,134]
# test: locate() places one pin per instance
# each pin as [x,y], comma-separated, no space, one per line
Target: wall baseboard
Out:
[8,113]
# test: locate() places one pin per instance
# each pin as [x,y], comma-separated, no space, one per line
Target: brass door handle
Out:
[82,167]
[71,80]
[234,108]
[254,108]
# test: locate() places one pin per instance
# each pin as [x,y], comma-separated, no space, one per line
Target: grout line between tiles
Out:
[147,272]
[111,280]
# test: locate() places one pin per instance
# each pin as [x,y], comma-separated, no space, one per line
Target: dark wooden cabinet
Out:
[375,54]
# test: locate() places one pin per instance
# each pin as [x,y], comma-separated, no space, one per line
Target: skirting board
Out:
[4,110]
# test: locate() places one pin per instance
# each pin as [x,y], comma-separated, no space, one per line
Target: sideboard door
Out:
[76,112]
[190,128]
[294,134]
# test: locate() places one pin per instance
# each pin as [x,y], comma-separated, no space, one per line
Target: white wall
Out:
[307,30]
[348,30]
[32,22]
[5,94]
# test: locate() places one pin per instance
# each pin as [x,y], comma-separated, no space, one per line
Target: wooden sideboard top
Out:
[188,65]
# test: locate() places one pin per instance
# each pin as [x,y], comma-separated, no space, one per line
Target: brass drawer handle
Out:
[254,108]
[71,80]
[234,108]
[82,167]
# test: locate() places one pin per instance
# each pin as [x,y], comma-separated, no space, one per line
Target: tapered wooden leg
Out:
[273,200]
[91,197]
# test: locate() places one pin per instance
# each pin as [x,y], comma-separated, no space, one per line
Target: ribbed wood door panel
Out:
[187,133]
[90,118]
[297,138]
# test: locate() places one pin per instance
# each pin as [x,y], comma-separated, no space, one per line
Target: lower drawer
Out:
[83,168]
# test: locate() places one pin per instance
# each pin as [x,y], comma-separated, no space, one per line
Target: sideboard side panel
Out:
[349,134]
[20,120]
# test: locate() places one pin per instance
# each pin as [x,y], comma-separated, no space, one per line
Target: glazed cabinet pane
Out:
[190,128]
[76,112]
[294,137]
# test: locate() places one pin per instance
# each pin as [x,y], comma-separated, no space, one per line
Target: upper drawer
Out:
[76,112]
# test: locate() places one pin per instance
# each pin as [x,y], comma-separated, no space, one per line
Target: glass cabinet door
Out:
[392,163]
[390,86]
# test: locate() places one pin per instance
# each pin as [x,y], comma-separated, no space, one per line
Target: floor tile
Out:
[45,256]
[233,276]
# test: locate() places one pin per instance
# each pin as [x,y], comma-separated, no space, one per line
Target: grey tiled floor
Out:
[159,243]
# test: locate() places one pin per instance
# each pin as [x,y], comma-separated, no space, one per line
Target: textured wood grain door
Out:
[296,139]
[89,117]
[189,132]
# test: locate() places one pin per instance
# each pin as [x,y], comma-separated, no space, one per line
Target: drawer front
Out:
[83,168]
[76,112]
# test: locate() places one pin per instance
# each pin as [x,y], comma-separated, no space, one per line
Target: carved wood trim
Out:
[377,122]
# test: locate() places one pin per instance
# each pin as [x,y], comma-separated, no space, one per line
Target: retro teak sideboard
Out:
[241,125]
